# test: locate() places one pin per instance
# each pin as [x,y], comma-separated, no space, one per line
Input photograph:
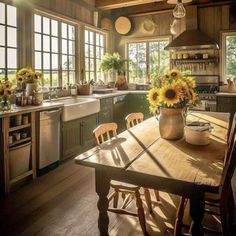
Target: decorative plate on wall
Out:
[123,25]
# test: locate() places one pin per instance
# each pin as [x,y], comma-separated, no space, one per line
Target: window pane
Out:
[54,25]
[2,35]
[71,77]
[71,62]
[54,61]
[64,62]
[92,76]
[54,44]
[98,55]
[87,64]
[64,78]
[64,30]
[2,13]
[46,61]
[11,58]
[46,43]
[86,36]
[91,37]
[11,15]
[11,37]
[97,39]
[37,23]
[2,74]
[102,40]
[72,47]
[2,57]
[91,52]
[55,80]
[46,25]
[37,42]
[64,46]
[38,60]
[86,50]
[230,56]
[46,78]
[71,32]
[11,75]
[91,65]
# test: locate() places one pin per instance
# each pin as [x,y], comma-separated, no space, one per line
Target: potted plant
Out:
[114,64]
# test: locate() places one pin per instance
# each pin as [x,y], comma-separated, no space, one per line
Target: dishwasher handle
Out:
[45,115]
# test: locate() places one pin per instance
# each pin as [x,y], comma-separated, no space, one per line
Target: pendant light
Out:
[179,10]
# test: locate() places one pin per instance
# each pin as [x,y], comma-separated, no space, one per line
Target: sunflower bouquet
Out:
[5,94]
[172,90]
[28,75]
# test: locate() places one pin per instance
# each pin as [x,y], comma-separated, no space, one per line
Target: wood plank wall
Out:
[211,21]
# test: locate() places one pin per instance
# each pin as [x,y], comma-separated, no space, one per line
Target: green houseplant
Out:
[115,66]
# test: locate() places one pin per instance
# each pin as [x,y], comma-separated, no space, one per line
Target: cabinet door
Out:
[88,124]
[138,103]
[71,138]
[106,110]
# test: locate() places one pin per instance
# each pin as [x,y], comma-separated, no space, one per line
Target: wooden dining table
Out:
[140,156]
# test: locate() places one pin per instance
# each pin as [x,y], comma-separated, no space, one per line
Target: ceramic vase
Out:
[171,123]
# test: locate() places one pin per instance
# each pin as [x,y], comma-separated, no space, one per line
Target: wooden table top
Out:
[140,152]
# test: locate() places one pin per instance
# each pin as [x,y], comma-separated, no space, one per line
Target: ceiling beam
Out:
[113,4]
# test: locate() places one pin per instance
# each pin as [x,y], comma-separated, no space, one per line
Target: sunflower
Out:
[175,74]
[183,89]
[190,82]
[192,96]
[7,92]
[170,95]
[153,96]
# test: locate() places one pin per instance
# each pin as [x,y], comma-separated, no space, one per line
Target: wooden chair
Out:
[128,191]
[133,119]
[223,201]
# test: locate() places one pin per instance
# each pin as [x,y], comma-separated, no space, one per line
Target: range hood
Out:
[192,38]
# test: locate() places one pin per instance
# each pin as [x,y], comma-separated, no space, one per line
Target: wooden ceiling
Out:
[103,5]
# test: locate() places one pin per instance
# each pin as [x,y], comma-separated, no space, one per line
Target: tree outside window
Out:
[146,58]
[228,55]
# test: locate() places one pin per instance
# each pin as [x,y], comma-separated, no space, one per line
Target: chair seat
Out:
[125,186]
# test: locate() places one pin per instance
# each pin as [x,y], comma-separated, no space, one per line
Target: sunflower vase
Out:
[171,123]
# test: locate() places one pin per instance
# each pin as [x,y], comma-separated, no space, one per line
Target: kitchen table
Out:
[140,156]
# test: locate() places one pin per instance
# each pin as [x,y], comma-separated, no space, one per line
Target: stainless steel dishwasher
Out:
[48,151]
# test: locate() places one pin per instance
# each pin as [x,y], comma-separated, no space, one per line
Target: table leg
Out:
[102,189]
[197,212]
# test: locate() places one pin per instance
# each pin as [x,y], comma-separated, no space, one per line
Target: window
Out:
[8,41]
[54,51]
[145,58]
[94,50]
[228,55]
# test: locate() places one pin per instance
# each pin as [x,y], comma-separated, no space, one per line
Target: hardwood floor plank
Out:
[64,202]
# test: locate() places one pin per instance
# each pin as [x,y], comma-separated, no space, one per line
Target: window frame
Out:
[60,20]
[95,31]
[147,41]
[5,46]
[224,34]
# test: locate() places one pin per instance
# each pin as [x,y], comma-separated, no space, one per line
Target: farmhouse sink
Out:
[75,108]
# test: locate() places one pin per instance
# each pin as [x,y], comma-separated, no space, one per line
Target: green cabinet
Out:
[106,110]
[120,111]
[227,104]
[77,135]
[138,103]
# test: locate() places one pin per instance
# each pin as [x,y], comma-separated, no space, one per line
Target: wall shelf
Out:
[19,142]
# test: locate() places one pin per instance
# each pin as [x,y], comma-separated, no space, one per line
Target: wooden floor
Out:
[63,202]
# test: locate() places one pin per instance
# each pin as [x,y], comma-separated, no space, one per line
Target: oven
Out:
[206,88]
